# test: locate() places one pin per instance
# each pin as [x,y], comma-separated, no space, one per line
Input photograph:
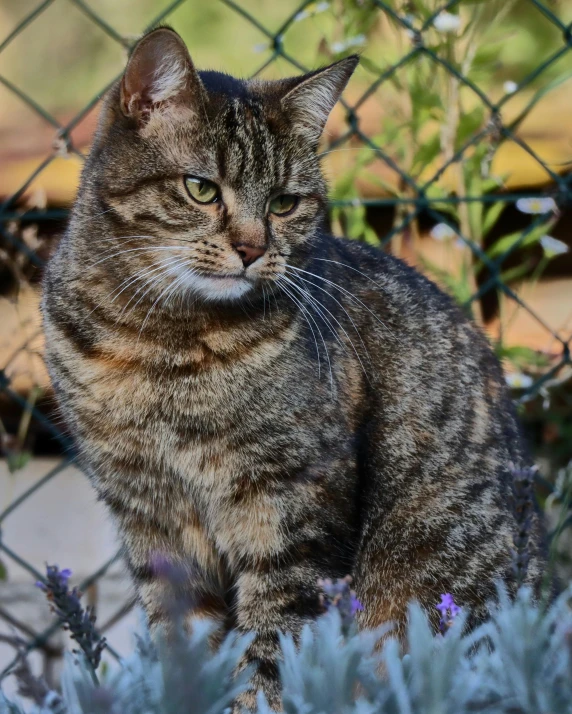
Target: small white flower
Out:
[356,41]
[442,231]
[409,31]
[518,380]
[447,22]
[553,246]
[311,9]
[536,205]
[509,86]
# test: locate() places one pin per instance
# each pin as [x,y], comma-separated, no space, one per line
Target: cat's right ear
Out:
[159,76]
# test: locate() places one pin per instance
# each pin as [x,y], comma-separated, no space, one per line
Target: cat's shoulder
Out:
[372,267]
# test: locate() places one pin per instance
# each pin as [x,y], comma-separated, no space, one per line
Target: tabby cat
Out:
[261,402]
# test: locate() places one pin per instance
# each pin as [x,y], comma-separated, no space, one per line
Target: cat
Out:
[259,401]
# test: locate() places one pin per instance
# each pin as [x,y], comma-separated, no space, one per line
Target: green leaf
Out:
[475,208]
[469,124]
[518,272]
[17,460]
[428,151]
[523,357]
[502,245]
[492,216]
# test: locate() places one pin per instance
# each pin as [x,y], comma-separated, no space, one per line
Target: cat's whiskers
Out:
[168,263]
[346,292]
[117,243]
[309,282]
[263,301]
[129,279]
[92,218]
[318,308]
[141,274]
[164,271]
[125,239]
[171,287]
[134,250]
[321,305]
[115,239]
[307,314]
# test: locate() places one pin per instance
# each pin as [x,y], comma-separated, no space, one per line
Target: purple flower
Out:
[55,576]
[447,601]
[67,607]
[338,595]
[355,604]
[449,611]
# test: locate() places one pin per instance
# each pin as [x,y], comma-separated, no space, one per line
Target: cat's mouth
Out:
[225,276]
[218,286]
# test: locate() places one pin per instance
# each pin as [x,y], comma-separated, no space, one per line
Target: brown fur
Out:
[275,426]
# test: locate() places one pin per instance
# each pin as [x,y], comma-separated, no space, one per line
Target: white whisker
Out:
[307,315]
[348,293]
[351,148]
[171,287]
[130,279]
[162,266]
[263,301]
[166,269]
[133,250]
[309,282]
[334,333]
[91,218]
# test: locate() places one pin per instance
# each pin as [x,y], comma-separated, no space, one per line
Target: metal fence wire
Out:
[417,201]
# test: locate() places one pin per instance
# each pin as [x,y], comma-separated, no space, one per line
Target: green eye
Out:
[283,204]
[201,190]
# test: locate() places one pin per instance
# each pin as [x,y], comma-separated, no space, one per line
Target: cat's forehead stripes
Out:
[249,157]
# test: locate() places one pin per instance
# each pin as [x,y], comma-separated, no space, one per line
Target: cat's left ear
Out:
[313,97]
[159,75]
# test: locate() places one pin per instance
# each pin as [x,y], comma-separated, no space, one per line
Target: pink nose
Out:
[249,253]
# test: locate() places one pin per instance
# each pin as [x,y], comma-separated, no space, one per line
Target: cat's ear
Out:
[313,97]
[159,74]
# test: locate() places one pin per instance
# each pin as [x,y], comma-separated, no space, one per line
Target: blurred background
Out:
[452,148]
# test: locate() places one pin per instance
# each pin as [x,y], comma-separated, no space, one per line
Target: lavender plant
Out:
[72,616]
[520,662]
[339,595]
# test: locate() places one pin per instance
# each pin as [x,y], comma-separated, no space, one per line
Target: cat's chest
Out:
[220,426]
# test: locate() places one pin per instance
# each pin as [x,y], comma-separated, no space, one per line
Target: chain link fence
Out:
[415,200]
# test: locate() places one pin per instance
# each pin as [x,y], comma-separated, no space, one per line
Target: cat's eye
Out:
[201,190]
[281,205]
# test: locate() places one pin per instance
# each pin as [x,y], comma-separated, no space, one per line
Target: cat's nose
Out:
[249,253]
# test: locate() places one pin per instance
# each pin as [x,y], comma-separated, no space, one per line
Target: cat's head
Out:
[211,184]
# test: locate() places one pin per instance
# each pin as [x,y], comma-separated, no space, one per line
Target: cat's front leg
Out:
[175,571]
[272,600]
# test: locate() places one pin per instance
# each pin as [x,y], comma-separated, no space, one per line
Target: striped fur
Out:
[265,427]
